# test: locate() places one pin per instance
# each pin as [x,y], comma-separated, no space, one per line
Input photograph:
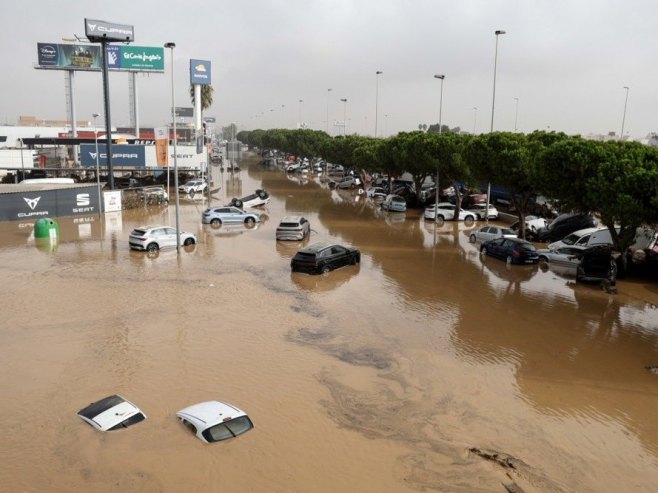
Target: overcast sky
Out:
[567,62]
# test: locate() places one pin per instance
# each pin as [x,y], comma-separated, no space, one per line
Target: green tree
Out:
[206,96]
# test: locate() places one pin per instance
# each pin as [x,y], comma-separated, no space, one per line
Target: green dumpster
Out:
[46,228]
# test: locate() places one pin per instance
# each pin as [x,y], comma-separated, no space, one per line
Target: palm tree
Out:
[206,96]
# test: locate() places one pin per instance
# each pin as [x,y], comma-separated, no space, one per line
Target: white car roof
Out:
[291,219]
[210,413]
[121,409]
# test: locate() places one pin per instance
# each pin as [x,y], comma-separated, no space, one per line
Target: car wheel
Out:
[216,222]
[543,259]
[468,220]
[325,269]
[237,203]
[152,247]
[188,241]
[472,238]
[483,250]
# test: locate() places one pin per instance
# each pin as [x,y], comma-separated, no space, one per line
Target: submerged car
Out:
[598,263]
[532,224]
[512,250]
[216,216]
[376,193]
[214,421]
[321,258]
[256,199]
[194,186]
[568,256]
[565,224]
[154,194]
[487,233]
[293,228]
[394,203]
[111,413]
[445,211]
[153,238]
[480,211]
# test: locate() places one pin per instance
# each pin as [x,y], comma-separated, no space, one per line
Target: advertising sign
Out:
[112,200]
[88,57]
[98,31]
[161,146]
[29,206]
[122,155]
[184,112]
[69,56]
[199,72]
[141,58]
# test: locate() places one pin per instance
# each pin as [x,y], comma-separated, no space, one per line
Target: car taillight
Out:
[516,253]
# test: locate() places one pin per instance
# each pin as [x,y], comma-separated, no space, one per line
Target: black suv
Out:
[321,258]
[563,225]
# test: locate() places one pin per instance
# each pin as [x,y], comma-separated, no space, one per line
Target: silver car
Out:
[194,186]
[487,233]
[293,228]
[216,216]
[153,238]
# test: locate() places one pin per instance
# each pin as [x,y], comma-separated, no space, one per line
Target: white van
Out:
[584,238]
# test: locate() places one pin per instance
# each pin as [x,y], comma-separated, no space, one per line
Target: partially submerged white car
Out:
[111,413]
[214,421]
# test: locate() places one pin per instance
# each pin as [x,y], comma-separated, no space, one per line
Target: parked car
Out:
[513,250]
[214,421]
[563,225]
[532,225]
[153,238]
[194,186]
[216,216]
[446,211]
[376,193]
[598,264]
[155,194]
[563,255]
[321,258]
[394,203]
[348,181]
[480,211]
[256,199]
[487,233]
[293,228]
[111,413]
[583,237]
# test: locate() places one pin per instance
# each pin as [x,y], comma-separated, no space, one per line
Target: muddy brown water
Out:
[425,368]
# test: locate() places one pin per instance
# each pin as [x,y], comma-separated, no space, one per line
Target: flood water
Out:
[408,372]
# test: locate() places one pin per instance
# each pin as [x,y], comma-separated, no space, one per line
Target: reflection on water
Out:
[389,371]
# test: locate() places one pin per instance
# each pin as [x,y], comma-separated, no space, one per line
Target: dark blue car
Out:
[512,250]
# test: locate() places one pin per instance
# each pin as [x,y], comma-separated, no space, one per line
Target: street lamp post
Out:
[328,91]
[344,100]
[440,77]
[475,117]
[516,113]
[98,175]
[493,102]
[623,118]
[300,113]
[378,73]
[171,46]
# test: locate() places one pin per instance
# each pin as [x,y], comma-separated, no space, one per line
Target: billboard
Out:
[88,57]
[53,55]
[31,205]
[184,112]
[102,31]
[199,72]
[122,155]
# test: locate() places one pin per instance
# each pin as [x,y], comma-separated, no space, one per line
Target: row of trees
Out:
[617,181]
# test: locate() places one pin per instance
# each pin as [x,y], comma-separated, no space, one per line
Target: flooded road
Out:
[424,368]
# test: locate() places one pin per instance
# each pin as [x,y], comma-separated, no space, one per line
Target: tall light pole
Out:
[344,100]
[516,113]
[377,74]
[440,77]
[300,112]
[328,91]
[493,102]
[475,117]
[623,118]
[171,46]
[98,175]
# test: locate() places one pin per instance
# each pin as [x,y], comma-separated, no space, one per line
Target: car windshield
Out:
[231,429]
[570,239]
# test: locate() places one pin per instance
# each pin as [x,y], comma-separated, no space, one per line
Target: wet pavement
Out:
[425,368]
